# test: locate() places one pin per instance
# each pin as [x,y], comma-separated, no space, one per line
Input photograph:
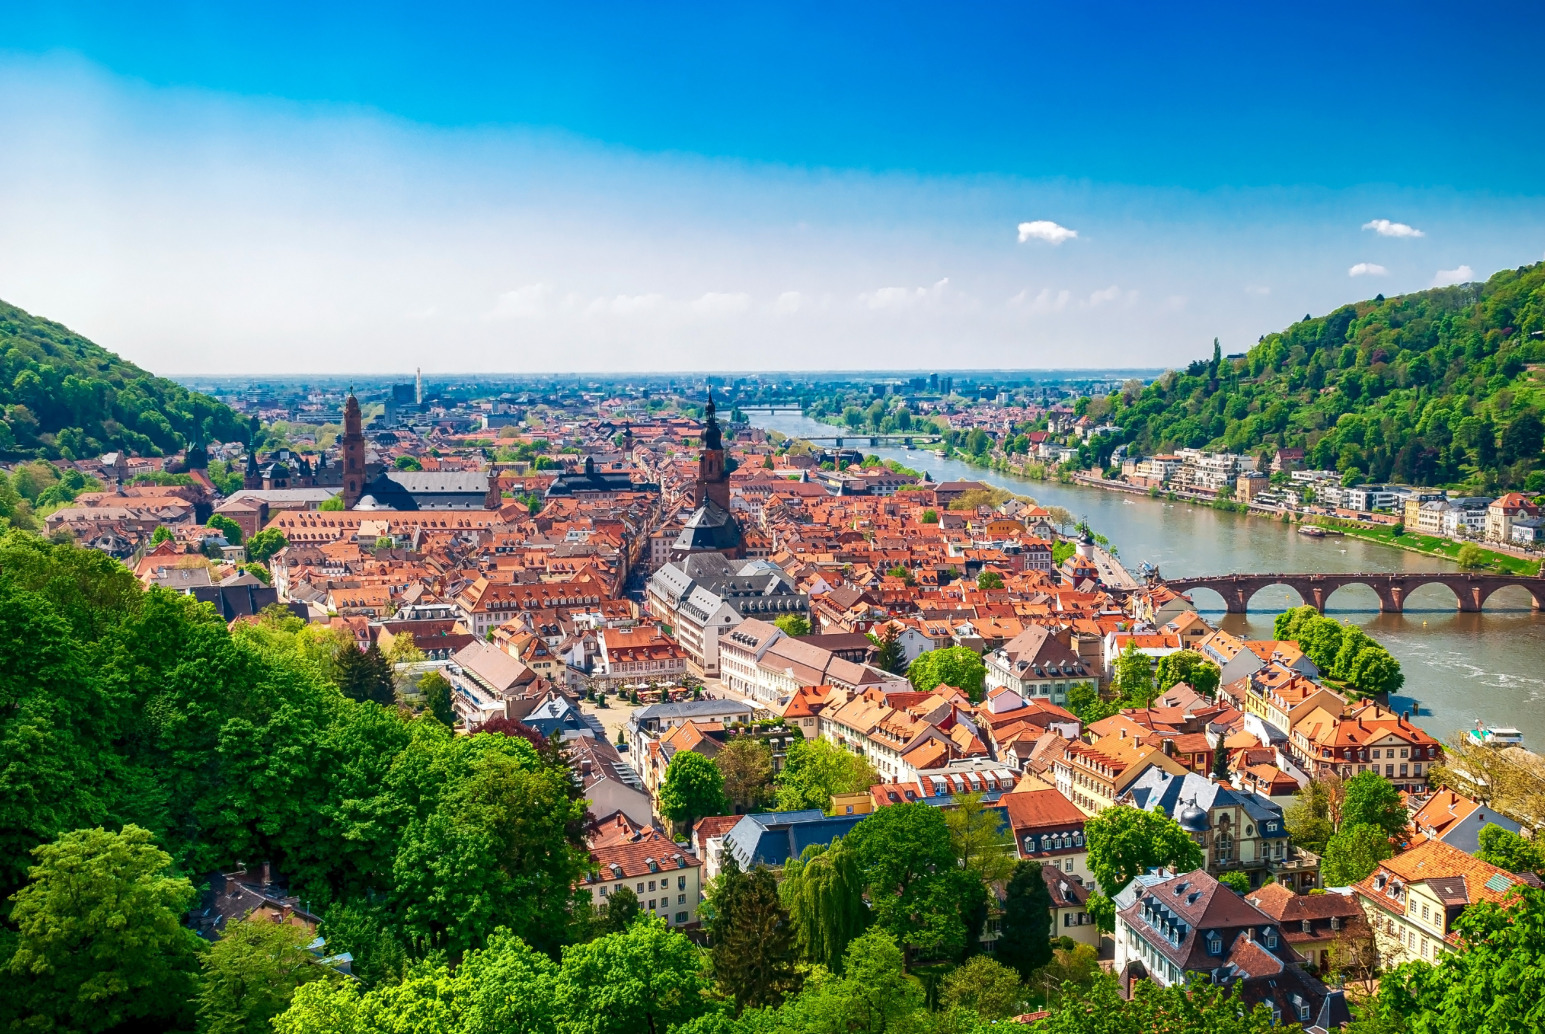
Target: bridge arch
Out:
[1382,598]
[1206,605]
[1536,593]
[1279,595]
[1445,584]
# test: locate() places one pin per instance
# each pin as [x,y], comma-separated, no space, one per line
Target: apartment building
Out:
[667,880]
[1414,899]
[1370,738]
[1094,776]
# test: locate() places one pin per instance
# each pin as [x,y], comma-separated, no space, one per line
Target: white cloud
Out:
[715,303]
[789,301]
[1449,277]
[905,297]
[1367,269]
[1045,301]
[526,302]
[1385,228]
[1110,294]
[1045,230]
[1259,290]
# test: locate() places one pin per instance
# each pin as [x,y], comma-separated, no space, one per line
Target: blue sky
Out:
[639,186]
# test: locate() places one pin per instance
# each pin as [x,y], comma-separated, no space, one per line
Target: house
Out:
[1370,738]
[1314,924]
[708,841]
[667,881]
[1174,928]
[1039,662]
[1237,831]
[1457,821]
[1070,907]
[649,724]
[1094,776]
[1503,511]
[1048,829]
[772,838]
[1413,899]
[609,784]
[638,655]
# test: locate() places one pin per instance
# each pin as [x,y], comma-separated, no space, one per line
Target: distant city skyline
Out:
[625,190]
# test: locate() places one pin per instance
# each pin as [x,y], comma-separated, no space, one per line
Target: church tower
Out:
[353,453]
[713,482]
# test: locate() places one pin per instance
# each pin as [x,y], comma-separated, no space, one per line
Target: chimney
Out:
[264,874]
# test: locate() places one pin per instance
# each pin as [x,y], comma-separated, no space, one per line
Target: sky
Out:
[326,188]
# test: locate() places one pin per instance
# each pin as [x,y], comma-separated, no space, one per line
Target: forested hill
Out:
[1431,388]
[64,396]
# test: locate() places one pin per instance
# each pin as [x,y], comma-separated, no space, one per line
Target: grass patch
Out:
[1434,545]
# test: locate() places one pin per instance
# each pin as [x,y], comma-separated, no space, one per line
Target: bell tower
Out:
[353,453]
[712,480]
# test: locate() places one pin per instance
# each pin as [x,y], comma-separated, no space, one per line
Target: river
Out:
[1459,668]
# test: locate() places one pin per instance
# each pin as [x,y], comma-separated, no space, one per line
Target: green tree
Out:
[437,698]
[644,980]
[262,546]
[1353,853]
[753,940]
[250,975]
[981,838]
[824,893]
[1471,557]
[407,463]
[1025,929]
[368,932]
[160,535]
[1183,1008]
[1134,677]
[1103,911]
[813,770]
[225,526]
[986,988]
[957,666]
[1369,800]
[331,504]
[930,516]
[1189,667]
[1125,842]
[620,910]
[99,937]
[914,886]
[364,674]
[889,654]
[1084,701]
[499,848]
[746,763]
[874,994]
[1237,881]
[1312,817]
[989,580]
[693,788]
[794,625]
[1507,850]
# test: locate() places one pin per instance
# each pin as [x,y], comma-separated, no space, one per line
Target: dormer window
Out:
[1269,935]
[1214,944]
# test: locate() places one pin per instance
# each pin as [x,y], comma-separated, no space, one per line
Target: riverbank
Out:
[1437,546]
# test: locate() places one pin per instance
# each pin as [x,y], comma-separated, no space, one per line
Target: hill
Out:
[62,396]
[1440,387]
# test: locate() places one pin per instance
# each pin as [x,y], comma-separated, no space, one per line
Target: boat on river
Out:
[1496,736]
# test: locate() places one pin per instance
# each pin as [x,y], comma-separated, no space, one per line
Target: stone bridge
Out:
[1472,590]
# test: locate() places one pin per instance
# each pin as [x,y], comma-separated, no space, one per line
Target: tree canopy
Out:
[1430,388]
[1125,842]
[957,666]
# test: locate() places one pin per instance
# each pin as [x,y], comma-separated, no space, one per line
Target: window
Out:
[651,904]
[681,883]
[681,917]
[640,888]
[1271,937]
[1214,944]
[681,899]
[603,892]
[651,884]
